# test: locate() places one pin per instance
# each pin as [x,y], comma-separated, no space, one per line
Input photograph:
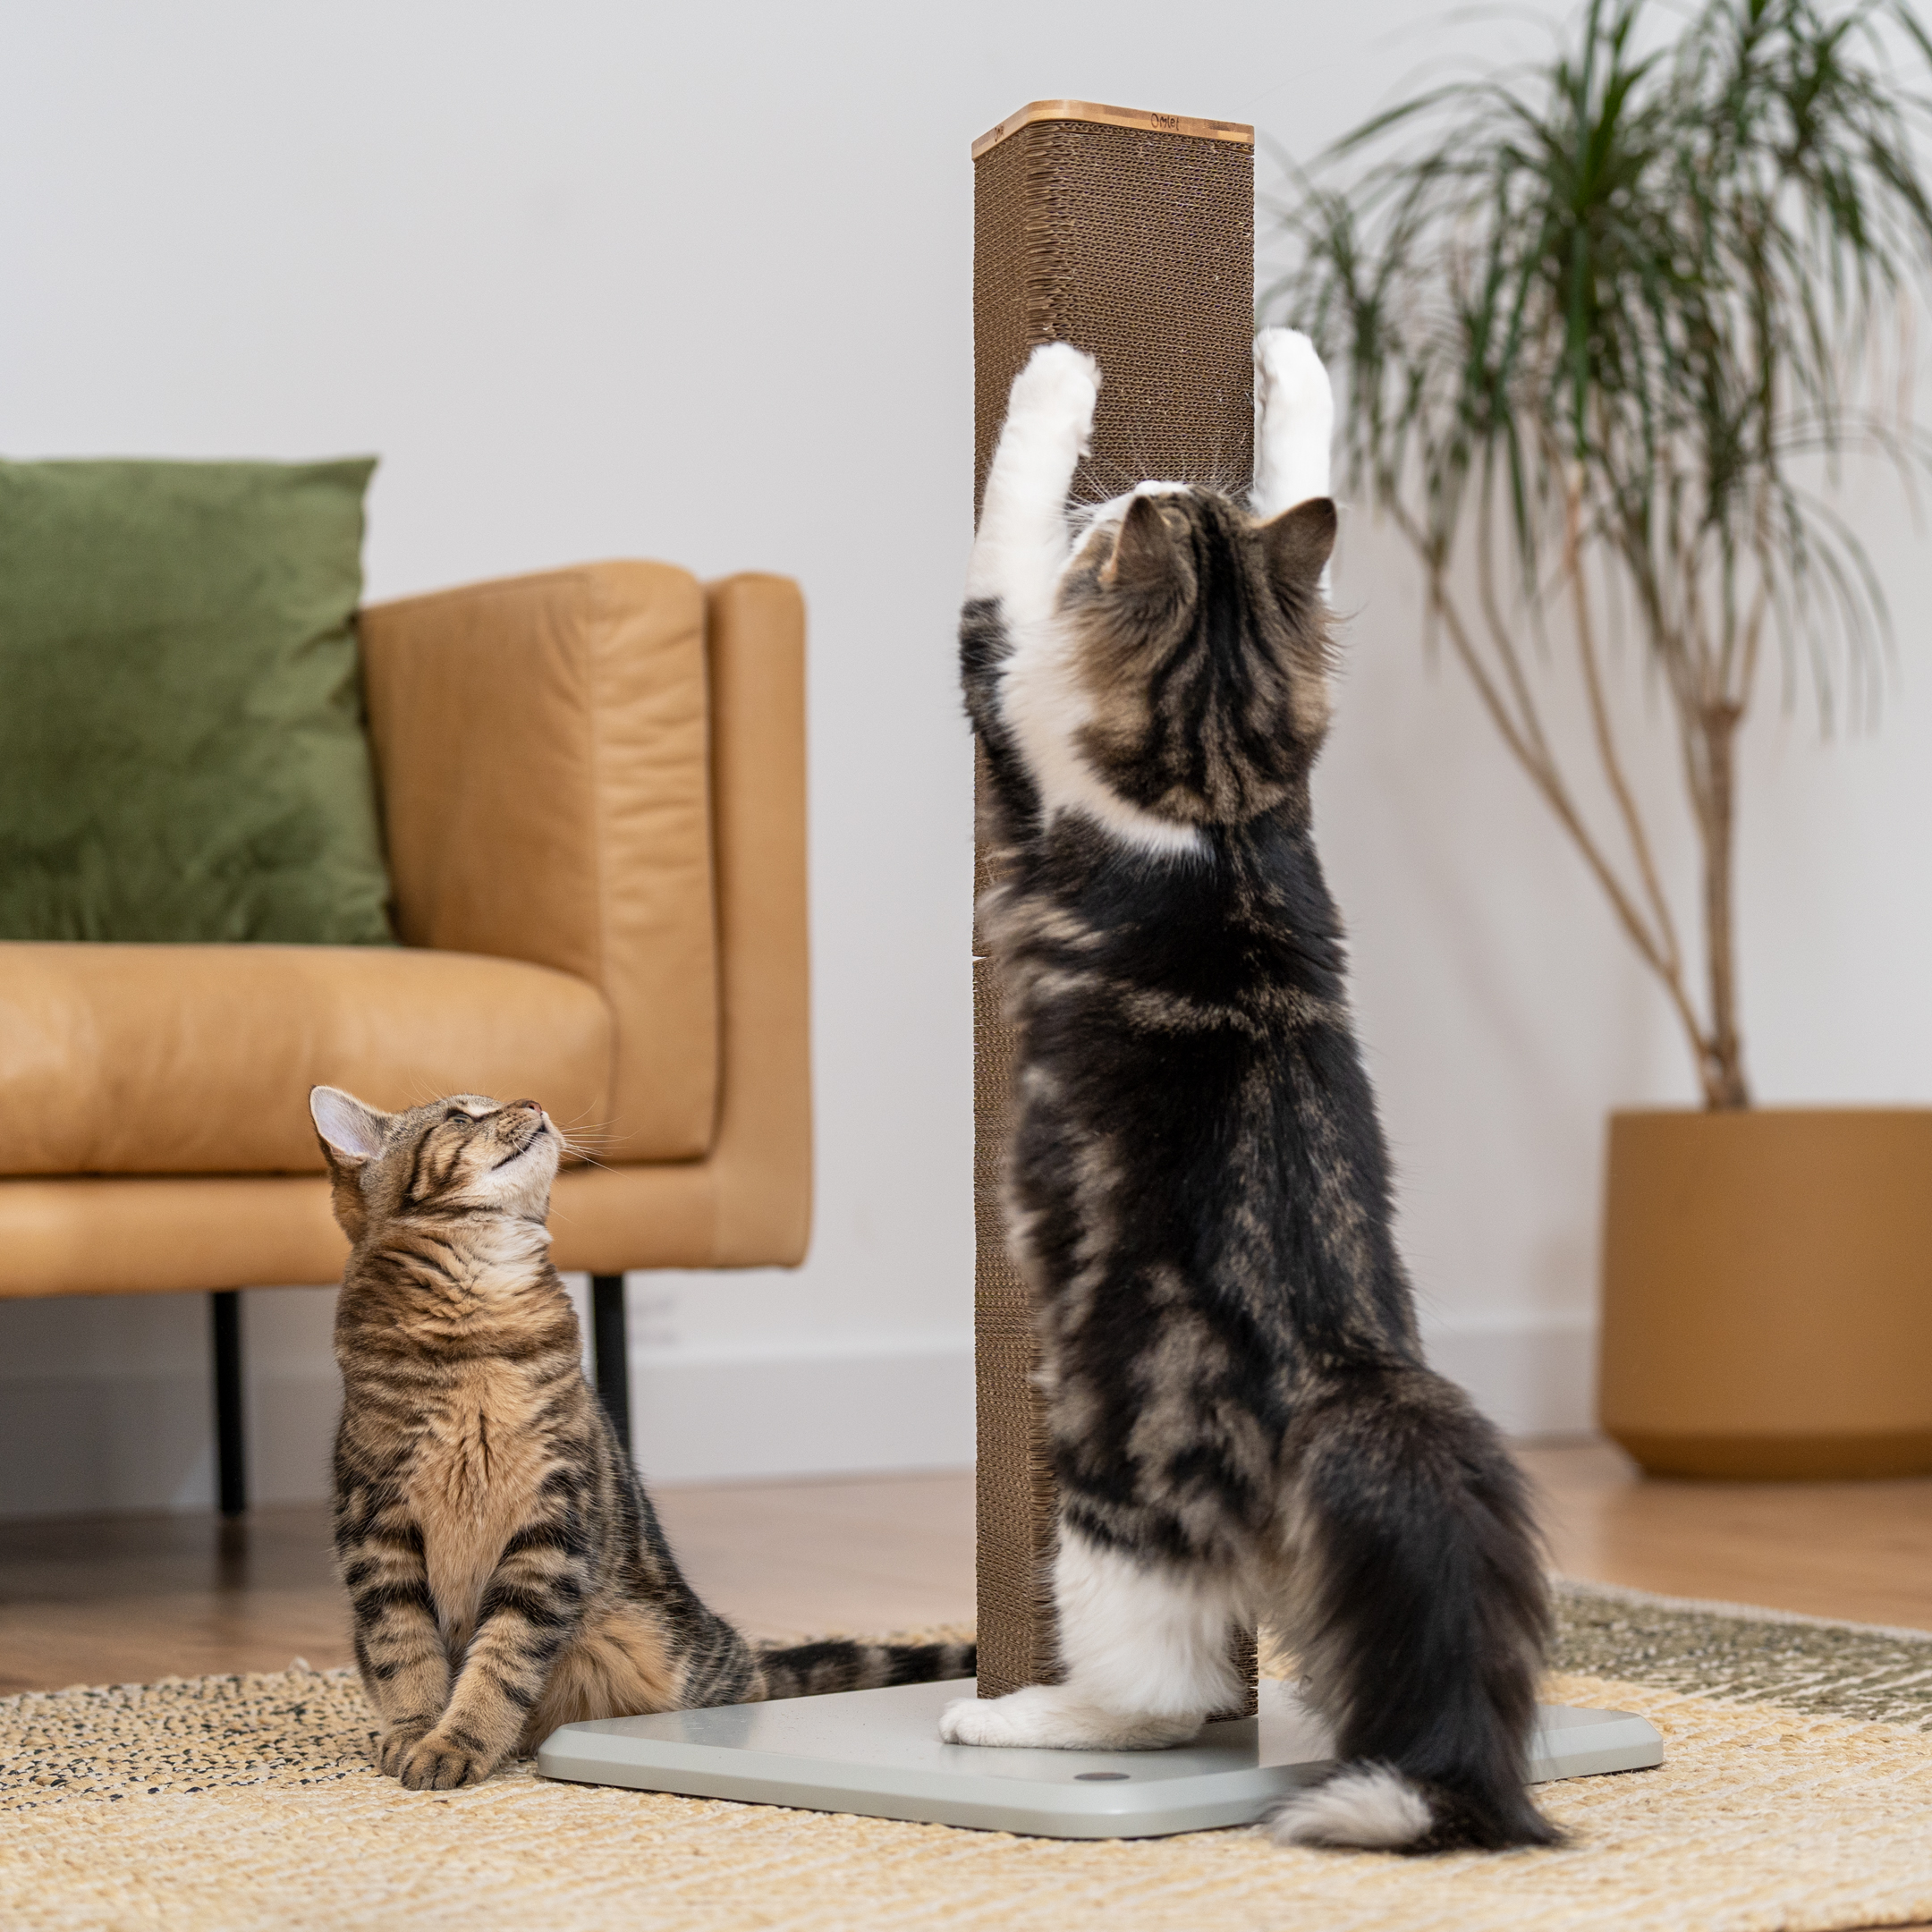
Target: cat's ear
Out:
[1298,543]
[351,1132]
[1144,556]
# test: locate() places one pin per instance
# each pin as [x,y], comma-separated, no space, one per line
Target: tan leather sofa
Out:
[593,798]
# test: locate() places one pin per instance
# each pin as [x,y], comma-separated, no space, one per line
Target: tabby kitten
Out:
[506,1568]
[1242,1423]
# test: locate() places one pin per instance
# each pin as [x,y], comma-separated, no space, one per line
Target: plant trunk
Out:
[1723,1072]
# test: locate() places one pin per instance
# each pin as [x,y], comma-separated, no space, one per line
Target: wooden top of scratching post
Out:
[1237,131]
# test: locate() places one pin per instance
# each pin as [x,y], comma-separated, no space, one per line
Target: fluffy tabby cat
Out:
[506,1570]
[1242,1422]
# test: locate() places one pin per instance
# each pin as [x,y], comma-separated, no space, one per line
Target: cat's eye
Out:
[457,1113]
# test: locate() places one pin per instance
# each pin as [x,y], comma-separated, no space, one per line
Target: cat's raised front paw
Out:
[1289,374]
[439,1764]
[1056,390]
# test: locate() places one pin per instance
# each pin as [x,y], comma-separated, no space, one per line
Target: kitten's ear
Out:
[1145,557]
[1298,543]
[351,1132]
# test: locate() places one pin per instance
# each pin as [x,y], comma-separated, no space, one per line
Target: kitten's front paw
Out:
[439,1764]
[396,1743]
[1289,375]
[1056,391]
[1049,1718]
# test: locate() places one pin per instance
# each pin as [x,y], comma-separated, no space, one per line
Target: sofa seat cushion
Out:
[193,1059]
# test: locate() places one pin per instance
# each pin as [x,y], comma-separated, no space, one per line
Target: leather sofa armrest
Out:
[543,749]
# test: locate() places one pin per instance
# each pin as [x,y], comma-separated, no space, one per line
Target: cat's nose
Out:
[535,1106]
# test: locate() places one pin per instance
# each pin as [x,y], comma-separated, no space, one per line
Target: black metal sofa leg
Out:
[609,1353]
[230,1453]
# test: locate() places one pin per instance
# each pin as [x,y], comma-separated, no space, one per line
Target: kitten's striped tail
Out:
[1420,1615]
[838,1663]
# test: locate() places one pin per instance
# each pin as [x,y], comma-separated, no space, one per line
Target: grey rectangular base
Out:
[877,1753]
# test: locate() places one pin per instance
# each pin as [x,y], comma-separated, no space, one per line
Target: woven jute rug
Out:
[1797,1793]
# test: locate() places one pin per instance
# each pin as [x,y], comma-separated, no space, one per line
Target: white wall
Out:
[597,279]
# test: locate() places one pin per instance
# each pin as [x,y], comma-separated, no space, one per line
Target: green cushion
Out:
[182,749]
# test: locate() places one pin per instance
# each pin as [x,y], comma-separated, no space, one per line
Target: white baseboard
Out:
[720,1414]
[712,1416]
[124,1441]
[128,1441]
[1531,1376]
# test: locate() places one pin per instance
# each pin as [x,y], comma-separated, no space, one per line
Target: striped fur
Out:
[1242,1421]
[506,1570]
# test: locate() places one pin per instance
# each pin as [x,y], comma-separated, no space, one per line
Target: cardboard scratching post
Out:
[1130,235]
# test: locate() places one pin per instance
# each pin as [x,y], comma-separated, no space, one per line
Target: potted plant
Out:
[1605,329]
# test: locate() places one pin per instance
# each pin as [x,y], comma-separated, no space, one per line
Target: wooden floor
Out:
[121,1600]
[1860,1551]
[127,1599]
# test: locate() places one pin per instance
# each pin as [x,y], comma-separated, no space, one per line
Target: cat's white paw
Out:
[1289,374]
[1295,424]
[1055,391]
[1051,1717]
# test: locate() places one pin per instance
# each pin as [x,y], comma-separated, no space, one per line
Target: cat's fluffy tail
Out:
[1420,1612]
[836,1664]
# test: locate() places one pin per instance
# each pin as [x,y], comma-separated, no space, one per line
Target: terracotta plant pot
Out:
[1767,1292]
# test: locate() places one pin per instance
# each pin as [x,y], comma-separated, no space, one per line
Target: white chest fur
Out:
[1044,706]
